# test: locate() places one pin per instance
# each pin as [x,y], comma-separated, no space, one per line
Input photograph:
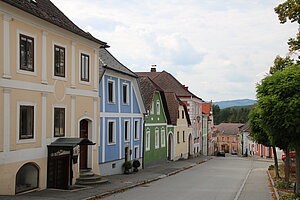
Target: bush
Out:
[136,164]
[289,197]
[282,185]
[127,166]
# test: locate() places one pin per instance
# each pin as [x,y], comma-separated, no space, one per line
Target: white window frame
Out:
[53,61]
[148,139]
[127,94]
[136,131]
[128,130]
[114,132]
[152,108]
[113,91]
[19,104]
[59,106]
[163,137]
[136,156]
[90,66]
[156,138]
[158,107]
[20,71]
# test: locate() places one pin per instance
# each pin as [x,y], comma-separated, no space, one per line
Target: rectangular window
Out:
[125,94]
[178,114]
[163,136]
[111,132]
[136,130]
[85,62]
[152,108]
[111,92]
[183,135]
[156,138]
[182,114]
[26,53]
[59,122]
[59,61]
[126,130]
[178,141]
[26,122]
[227,139]
[148,140]
[136,153]
[158,107]
[222,139]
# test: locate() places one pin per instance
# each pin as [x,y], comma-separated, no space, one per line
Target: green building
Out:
[156,130]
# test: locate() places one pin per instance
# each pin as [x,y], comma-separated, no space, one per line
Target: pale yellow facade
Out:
[43,91]
[182,133]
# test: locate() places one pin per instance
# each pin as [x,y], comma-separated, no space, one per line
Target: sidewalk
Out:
[116,183]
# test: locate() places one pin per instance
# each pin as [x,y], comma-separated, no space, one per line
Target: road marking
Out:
[243,185]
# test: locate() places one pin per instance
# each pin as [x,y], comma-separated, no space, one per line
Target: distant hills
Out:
[233,103]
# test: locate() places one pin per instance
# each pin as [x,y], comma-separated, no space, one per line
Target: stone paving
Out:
[117,183]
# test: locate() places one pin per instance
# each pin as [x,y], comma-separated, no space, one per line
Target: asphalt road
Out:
[218,179]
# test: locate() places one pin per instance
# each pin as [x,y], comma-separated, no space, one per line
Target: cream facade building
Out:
[48,90]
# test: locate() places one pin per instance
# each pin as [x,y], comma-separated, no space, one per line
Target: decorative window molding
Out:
[59,128]
[163,137]
[158,107]
[127,130]
[136,129]
[156,134]
[125,94]
[26,69]
[148,139]
[136,152]
[84,68]
[111,91]
[152,108]
[59,50]
[111,131]
[22,114]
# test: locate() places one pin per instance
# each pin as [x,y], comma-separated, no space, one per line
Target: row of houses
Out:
[235,138]
[69,107]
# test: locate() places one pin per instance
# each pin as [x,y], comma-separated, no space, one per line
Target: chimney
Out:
[185,87]
[153,68]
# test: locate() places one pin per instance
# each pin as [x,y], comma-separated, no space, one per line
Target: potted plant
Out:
[127,166]
[136,164]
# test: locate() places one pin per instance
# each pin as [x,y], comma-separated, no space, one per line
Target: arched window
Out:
[27,178]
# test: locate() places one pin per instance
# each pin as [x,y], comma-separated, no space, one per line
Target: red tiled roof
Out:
[173,103]
[206,108]
[228,128]
[168,83]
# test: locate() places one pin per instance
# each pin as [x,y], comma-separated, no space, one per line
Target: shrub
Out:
[127,166]
[136,164]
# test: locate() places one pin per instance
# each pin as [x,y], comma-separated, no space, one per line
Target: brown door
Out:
[58,172]
[83,148]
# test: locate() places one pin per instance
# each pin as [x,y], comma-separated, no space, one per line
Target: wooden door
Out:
[58,172]
[169,147]
[83,148]
[127,152]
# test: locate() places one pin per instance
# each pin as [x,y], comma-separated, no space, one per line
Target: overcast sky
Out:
[219,48]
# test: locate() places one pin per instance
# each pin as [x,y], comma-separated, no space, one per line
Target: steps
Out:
[87,177]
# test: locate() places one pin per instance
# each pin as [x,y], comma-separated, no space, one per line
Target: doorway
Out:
[84,133]
[190,146]
[127,154]
[170,147]
[58,172]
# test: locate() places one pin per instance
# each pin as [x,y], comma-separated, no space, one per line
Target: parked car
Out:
[233,152]
[292,155]
[221,153]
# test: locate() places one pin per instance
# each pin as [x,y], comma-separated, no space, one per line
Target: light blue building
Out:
[121,115]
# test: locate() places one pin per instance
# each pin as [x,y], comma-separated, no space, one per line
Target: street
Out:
[219,178]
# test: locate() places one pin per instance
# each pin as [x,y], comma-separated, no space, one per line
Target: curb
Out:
[275,190]
[123,189]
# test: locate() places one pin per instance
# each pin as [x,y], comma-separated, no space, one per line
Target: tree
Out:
[279,103]
[280,64]
[259,134]
[290,11]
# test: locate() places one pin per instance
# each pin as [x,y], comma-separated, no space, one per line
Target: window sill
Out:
[59,78]
[24,141]
[110,144]
[85,82]
[26,72]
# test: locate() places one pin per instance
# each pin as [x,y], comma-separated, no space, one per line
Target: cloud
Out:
[216,47]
